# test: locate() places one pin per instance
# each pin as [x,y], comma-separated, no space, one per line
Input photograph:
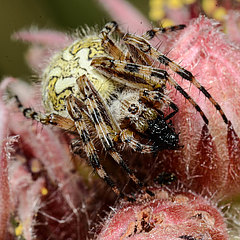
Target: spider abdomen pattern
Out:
[59,79]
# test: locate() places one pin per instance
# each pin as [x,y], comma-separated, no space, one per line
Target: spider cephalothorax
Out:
[110,91]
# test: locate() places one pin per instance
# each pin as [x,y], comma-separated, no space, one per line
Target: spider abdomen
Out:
[59,79]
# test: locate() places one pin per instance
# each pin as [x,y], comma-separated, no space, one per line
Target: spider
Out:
[109,91]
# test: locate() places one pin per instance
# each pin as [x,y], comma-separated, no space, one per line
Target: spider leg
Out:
[146,48]
[46,119]
[127,137]
[30,113]
[109,46]
[140,57]
[74,125]
[76,146]
[120,71]
[106,130]
[76,112]
[175,110]
[113,50]
[139,77]
[150,34]
[158,100]
[99,108]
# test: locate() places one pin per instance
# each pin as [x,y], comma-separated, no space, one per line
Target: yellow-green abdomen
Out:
[59,79]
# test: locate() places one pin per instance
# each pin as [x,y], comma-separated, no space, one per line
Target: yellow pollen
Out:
[219,13]
[166,22]
[156,3]
[44,191]
[156,14]
[208,6]
[19,230]
[174,4]
[35,166]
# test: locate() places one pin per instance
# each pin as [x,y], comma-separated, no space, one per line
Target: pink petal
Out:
[29,205]
[129,18]
[38,58]
[203,163]
[45,44]
[48,38]
[3,110]
[171,215]
[4,189]
[26,194]
[5,144]
[233,26]
[179,15]
[45,144]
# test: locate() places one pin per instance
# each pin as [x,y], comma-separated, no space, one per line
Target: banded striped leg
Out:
[145,47]
[141,58]
[106,128]
[113,50]
[140,76]
[109,46]
[76,125]
[46,119]
[158,100]
[150,34]
[127,137]
[76,112]
[101,114]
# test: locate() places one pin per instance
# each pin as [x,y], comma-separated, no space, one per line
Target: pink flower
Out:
[170,215]
[35,170]
[40,189]
[210,157]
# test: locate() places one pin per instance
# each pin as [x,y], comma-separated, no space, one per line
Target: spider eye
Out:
[133,109]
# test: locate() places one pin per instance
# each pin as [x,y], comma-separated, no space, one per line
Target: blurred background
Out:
[59,15]
[68,15]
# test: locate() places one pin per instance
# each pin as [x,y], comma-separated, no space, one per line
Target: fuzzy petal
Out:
[233,26]
[172,216]
[45,144]
[48,38]
[126,15]
[4,158]
[44,44]
[4,189]
[26,194]
[205,158]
